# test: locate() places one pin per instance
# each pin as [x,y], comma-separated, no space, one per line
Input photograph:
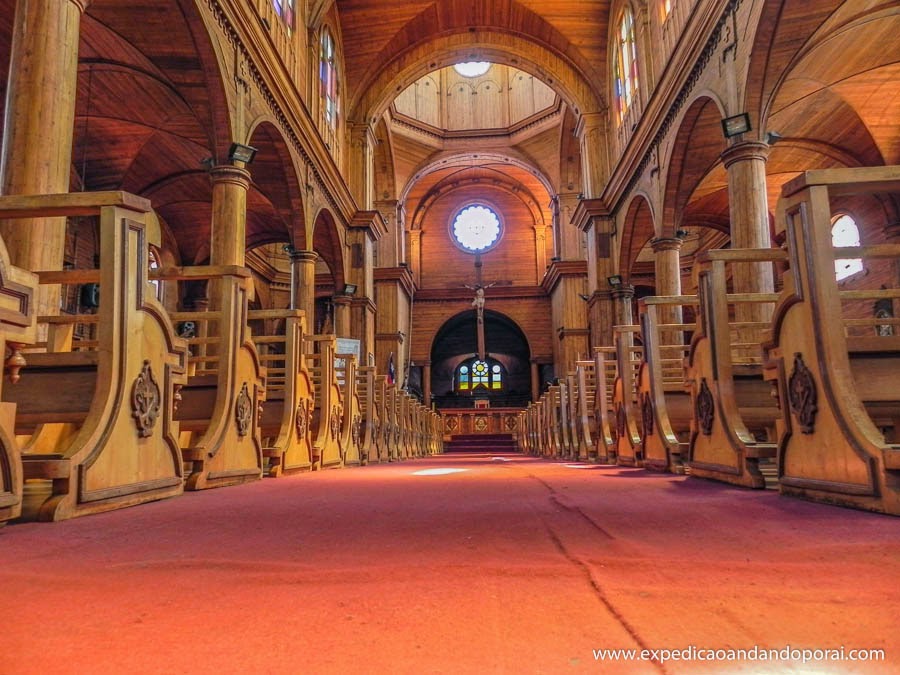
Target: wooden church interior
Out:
[656,293]
[691,266]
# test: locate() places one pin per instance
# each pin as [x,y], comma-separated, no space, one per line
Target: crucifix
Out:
[478,304]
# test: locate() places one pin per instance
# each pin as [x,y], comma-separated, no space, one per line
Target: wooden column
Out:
[341,304]
[37,141]
[622,299]
[592,132]
[749,212]
[228,245]
[365,230]
[667,264]
[535,381]
[362,164]
[426,383]
[592,218]
[303,277]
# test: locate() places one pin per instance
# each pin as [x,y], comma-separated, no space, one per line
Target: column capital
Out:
[304,256]
[343,300]
[746,151]
[624,292]
[666,244]
[229,173]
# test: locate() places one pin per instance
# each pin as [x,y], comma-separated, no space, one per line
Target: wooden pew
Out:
[663,401]
[605,375]
[366,379]
[285,424]
[629,450]
[553,421]
[351,418]
[839,394]
[327,419]
[18,328]
[99,422]
[381,427]
[733,408]
[586,420]
[564,431]
[221,402]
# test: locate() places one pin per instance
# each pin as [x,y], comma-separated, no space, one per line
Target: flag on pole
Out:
[391,373]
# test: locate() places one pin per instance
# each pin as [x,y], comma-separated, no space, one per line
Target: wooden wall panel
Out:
[532,315]
[511,262]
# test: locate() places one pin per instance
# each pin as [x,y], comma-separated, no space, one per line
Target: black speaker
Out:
[90,296]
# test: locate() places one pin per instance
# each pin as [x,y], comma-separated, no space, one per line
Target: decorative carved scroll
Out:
[145,401]
[356,430]
[301,420]
[243,411]
[336,418]
[14,361]
[646,413]
[802,395]
[705,408]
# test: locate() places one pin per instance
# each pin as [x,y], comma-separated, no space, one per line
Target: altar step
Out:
[497,443]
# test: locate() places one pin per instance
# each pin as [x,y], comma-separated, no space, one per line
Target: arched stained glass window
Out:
[285,9]
[844,232]
[476,375]
[626,69]
[329,80]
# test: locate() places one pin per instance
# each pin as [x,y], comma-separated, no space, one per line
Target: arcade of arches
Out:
[490,239]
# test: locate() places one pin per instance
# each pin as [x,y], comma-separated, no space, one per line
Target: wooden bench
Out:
[18,328]
[840,395]
[221,403]
[629,450]
[327,418]
[99,423]
[366,378]
[605,369]
[734,411]
[285,424]
[351,416]
[663,401]
[586,406]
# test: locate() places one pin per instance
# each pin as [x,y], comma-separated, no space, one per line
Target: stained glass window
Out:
[476,374]
[328,79]
[844,232]
[476,228]
[285,9]
[626,70]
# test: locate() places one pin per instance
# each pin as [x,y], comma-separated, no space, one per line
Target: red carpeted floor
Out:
[505,565]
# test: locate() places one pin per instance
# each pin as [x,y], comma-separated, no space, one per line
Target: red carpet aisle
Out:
[505,565]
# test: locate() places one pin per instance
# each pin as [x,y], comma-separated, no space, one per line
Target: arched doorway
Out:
[459,377]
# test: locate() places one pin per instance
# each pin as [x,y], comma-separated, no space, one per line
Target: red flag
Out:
[391,373]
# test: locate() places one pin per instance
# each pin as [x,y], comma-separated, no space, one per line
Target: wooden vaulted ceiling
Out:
[374,39]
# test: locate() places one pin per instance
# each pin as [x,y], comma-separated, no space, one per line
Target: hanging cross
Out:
[478,304]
